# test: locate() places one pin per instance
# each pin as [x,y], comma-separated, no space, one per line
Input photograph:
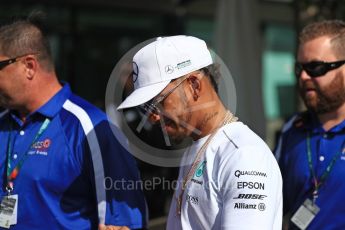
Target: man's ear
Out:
[31,65]
[194,81]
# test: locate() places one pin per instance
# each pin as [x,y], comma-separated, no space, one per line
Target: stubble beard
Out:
[182,132]
[327,99]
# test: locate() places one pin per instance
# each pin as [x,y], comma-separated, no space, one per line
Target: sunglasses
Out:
[152,106]
[6,62]
[316,68]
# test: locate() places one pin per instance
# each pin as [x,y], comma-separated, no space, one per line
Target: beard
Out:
[181,128]
[181,121]
[326,99]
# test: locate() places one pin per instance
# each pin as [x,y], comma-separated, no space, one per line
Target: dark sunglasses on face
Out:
[152,106]
[316,68]
[6,62]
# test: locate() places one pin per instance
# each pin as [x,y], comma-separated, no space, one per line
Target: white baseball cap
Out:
[161,61]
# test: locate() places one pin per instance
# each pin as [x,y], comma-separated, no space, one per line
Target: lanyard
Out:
[325,174]
[11,174]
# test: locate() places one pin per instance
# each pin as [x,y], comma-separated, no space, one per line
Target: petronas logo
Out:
[200,169]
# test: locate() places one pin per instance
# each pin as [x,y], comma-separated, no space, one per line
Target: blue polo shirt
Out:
[68,179]
[291,153]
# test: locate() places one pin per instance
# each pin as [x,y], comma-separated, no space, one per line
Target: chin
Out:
[177,138]
[310,102]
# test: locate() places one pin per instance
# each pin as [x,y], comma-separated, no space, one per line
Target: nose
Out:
[304,76]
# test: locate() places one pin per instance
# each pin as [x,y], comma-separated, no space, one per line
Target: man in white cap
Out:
[228,177]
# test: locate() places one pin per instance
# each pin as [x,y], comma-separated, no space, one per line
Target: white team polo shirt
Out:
[237,184]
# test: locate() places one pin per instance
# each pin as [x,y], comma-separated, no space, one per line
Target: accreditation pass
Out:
[305,214]
[8,211]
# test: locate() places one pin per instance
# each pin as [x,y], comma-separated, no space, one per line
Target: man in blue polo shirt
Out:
[59,159]
[311,150]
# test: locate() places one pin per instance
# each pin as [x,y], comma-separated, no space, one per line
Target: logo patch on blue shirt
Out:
[40,147]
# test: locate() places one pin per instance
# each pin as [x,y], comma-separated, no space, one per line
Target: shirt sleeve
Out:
[282,158]
[251,190]
[124,203]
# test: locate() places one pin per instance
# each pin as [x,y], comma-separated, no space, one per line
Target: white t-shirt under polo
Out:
[237,184]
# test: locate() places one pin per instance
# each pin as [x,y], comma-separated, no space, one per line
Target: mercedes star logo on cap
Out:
[169,69]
